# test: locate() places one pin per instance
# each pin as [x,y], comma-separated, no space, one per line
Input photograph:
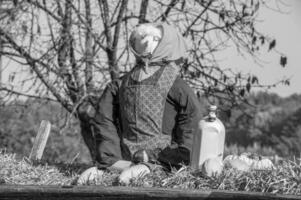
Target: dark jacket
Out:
[180,120]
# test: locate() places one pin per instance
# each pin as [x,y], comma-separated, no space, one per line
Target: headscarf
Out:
[152,45]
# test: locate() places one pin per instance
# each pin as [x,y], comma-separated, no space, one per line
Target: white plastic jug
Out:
[209,143]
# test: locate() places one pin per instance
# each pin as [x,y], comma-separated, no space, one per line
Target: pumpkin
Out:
[212,167]
[253,161]
[244,157]
[256,162]
[263,164]
[230,157]
[134,171]
[237,164]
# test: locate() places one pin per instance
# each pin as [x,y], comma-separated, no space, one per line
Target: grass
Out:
[285,179]
[24,172]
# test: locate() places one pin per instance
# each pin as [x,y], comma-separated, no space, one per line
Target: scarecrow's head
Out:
[144,39]
[158,43]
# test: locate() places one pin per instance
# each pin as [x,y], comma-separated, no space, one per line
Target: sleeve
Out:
[186,125]
[108,142]
[188,115]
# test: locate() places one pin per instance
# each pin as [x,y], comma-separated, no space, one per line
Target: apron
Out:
[142,103]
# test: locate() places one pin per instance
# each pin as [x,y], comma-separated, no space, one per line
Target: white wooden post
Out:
[40,141]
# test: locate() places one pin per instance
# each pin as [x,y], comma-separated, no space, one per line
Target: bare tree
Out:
[67,50]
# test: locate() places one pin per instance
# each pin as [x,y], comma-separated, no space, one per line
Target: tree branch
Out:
[32,63]
[143,11]
[168,9]
[197,18]
[88,46]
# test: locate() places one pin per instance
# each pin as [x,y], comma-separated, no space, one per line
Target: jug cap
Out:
[212,108]
[212,113]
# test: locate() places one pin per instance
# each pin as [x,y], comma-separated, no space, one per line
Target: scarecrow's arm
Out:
[186,124]
[106,127]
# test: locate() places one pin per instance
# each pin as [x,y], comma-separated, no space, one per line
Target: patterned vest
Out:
[142,103]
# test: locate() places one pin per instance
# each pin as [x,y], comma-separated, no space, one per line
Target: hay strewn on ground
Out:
[13,171]
[285,179]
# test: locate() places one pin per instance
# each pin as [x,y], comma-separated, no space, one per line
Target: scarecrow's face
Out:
[144,40]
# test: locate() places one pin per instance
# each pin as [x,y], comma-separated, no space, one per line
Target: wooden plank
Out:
[40,141]
[98,192]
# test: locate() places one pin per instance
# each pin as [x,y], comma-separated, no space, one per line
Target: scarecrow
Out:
[150,100]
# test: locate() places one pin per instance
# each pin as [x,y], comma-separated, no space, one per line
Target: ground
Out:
[285,179]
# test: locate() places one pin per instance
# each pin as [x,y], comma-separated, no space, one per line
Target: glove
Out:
[146,155]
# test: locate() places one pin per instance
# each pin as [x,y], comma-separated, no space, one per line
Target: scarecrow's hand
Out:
[91,175]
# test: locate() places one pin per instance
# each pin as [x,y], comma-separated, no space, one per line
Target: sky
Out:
[286,29]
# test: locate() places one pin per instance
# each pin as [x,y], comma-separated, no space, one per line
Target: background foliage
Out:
[272,127]
[19,126]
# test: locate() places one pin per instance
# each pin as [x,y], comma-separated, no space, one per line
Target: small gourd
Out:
[132,172]
[237,164]
[212,167]
[91,175]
